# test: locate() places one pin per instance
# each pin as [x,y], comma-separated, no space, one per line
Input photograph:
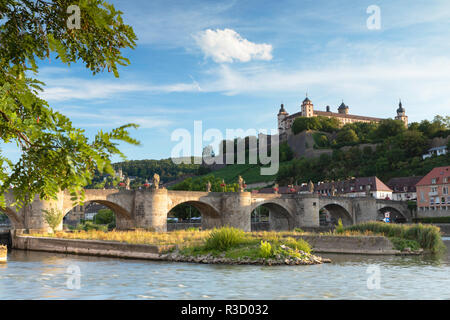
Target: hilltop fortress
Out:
[285,120]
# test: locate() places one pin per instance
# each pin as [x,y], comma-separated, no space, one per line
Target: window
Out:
[437,200]
[434,189]
[445,179]
[422,197]
[432,201]
[433,181]
[444,190]
[443,200]
[448,200]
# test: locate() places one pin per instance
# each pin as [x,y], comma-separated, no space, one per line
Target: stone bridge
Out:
[149,208]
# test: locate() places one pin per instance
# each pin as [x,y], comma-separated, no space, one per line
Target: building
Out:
[285,121]
[356,187]
[432,190]
[404,188]
[437,151]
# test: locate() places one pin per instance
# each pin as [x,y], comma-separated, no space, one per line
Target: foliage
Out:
[401,244]
[433,220]
[286,153]
[315,123]
[224,238]
[340,227]
[347,136]
[199,184]
[266,250]
[428,236]
[89,225]
[105,216]
[54,155]
[53,217]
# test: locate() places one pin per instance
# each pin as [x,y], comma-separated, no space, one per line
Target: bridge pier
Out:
[236,210]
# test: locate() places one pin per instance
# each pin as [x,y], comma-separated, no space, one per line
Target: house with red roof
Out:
[433,190]
[356,187]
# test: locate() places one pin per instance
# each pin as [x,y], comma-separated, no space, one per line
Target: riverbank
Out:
[222,246]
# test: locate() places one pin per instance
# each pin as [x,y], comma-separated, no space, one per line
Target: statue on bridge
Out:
[311,186]
[127,183]
[156,181]
[241,183]
[333,190]
[208,186]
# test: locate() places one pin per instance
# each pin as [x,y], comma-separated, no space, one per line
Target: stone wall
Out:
[357,245]
[87,247]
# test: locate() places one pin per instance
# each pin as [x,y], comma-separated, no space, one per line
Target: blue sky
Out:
[231,64]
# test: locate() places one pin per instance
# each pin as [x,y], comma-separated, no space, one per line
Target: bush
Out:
[224,238]
[428,236]
[298,244]
[88,225]
[402,244]
[340,227]
[53,217]
[265,250]
[105,216]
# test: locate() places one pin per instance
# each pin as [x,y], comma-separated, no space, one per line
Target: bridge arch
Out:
[329,214]
[14,219]
[123,217]
[280,217]
[210,216]
[396,215]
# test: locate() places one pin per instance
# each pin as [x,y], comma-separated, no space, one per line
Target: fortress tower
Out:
[282,114]
[307,108]
[401,114]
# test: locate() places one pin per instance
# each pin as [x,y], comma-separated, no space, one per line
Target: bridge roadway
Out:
[149,208]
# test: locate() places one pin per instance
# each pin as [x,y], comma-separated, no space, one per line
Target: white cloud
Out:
[64,89]
[228,46]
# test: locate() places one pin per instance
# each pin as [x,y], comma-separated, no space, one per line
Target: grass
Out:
[427,236]
[230,242]
[251,173]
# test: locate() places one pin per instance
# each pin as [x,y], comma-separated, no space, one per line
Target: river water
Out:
[39,275]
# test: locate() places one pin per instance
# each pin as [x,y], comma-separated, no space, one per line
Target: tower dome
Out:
[343,108]
[400,108]
[282,110]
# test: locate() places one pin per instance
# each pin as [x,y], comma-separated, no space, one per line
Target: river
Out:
[40,275]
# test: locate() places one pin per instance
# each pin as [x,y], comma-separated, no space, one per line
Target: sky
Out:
[231,64]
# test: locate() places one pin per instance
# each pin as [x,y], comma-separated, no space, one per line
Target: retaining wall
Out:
[88,247]
[354,244]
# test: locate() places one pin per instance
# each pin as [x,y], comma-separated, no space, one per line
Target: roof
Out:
[399,184]
[438,148]
[343,115]
[375,185]
[437,173]
[400,108]
[343,106]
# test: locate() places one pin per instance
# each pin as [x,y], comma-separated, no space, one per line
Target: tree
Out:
[347,136]
[54,155]
[53,217]
[389,128]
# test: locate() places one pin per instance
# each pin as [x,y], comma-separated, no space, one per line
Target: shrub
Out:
[88,226]
[428,236]
[265,250]
[299,230]
[53,217]
[224,238]
[298,244]
[401,244]
[340,227]
[105,216]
